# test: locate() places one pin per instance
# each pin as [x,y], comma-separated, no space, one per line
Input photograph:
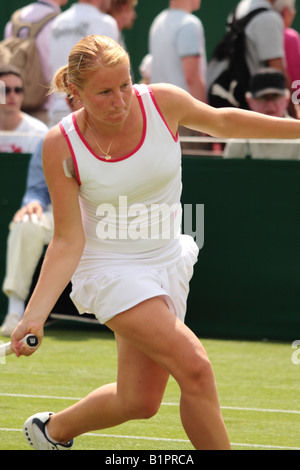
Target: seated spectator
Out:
[21,131]
[30,230]
[267,95]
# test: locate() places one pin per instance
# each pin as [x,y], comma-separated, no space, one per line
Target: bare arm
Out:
[180,108]
[65,249]
[191,70]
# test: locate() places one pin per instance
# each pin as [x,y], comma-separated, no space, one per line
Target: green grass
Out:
[257,383]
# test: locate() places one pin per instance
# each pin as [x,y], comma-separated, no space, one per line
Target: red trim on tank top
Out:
[72,152]
[175,137]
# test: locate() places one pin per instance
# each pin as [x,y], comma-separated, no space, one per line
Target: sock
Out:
[16,305]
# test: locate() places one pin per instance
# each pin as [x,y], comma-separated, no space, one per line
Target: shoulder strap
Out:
[232,37]
[243,22]
[33,28]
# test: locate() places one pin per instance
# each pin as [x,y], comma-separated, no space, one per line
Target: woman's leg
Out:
[153,329]
[136,395]
[156,343]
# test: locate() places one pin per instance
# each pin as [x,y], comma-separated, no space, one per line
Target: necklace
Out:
[105,154]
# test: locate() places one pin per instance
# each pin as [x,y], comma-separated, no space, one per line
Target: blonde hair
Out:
[88,55]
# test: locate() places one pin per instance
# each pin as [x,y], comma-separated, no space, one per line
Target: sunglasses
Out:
[17,89]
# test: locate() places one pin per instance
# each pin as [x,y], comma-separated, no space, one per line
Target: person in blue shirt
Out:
[30,230]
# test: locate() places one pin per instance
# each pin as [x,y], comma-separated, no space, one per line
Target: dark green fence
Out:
[247,280]
[13,171]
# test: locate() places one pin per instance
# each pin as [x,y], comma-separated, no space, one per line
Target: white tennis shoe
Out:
[36,433]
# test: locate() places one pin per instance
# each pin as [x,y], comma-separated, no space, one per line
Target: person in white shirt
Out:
[267,95]
[19,132]
[178,52]
[35,12]
[177,46]
[264,36]
[83,18]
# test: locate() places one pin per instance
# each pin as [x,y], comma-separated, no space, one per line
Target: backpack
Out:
[228,73]
[23,54]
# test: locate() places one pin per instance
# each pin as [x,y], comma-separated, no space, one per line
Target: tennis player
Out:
[131,268]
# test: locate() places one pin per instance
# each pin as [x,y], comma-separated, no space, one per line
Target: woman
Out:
[124,147]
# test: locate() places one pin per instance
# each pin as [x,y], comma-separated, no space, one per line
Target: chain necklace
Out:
[105,154]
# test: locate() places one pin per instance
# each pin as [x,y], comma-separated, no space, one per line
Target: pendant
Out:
[107,157]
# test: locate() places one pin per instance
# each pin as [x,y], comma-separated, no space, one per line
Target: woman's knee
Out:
[197,376]
[142,406]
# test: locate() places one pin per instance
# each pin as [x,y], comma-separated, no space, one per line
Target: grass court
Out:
[258,386]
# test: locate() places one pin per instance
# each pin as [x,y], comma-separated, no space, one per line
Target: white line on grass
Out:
[234,408]
[162,439]
[264,410]
[264,447]
[237,408]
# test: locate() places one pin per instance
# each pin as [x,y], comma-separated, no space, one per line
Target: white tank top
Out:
[131,205]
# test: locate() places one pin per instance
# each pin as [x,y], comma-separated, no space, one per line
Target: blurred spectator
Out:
[31,13]
[178,54]
[287,9]
[30,230]
[268,95]
[19,132]
[123,11]
[264,35]
[262,44]
[145,69]
[83,18]
[177,45]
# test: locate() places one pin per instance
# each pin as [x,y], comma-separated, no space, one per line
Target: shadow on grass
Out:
[68,330]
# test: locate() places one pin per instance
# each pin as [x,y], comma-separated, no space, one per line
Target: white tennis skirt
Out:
[115,290]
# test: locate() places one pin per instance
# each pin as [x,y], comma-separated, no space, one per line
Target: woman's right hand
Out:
[20,332]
